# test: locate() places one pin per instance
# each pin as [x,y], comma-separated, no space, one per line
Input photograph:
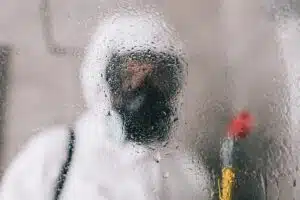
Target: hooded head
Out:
[134,73]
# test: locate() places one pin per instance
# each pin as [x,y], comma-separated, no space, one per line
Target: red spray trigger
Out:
[241,125]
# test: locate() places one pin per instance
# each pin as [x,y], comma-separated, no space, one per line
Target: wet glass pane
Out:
[150,99]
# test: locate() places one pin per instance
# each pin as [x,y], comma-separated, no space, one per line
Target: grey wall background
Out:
[43,87]
[5,52]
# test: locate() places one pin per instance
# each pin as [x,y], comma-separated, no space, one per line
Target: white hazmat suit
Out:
[111,158]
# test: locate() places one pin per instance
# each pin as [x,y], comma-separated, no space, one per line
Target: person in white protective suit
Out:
[124,146]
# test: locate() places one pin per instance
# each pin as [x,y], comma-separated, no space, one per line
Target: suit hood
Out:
[121,34]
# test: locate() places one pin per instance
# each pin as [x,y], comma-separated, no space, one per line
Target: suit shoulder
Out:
[43,143]
[40,159]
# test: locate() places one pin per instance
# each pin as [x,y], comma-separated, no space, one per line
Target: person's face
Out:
[143,86]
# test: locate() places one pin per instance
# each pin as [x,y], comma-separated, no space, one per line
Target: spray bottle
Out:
[238,129]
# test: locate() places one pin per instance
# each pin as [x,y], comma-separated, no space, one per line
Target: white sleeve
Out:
[32,174]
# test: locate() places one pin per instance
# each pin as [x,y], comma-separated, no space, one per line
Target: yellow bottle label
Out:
[227,182]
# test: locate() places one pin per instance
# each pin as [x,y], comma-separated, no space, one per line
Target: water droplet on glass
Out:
[166,175]
[157,157]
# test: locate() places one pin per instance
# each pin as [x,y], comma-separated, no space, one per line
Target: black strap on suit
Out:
[65,167]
